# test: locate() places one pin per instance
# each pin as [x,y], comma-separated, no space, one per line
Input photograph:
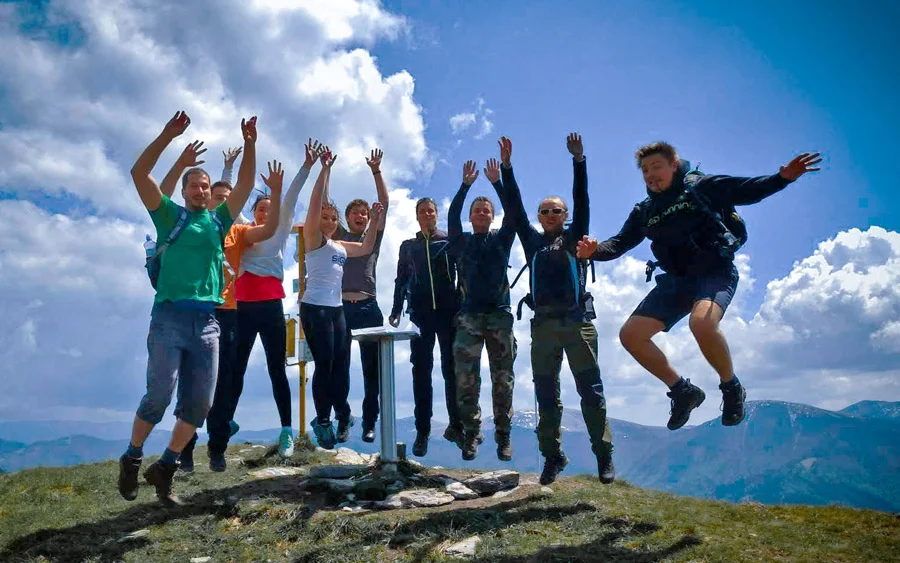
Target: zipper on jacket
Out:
[430,275]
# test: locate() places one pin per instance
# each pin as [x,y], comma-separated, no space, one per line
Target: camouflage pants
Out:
[550,337]
[473,332]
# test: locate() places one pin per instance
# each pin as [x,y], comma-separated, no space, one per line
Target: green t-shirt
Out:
[191,267]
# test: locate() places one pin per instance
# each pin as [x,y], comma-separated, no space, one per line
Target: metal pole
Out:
[301,284]
[388,416]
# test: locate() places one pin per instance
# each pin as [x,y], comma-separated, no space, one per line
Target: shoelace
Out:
[729,394]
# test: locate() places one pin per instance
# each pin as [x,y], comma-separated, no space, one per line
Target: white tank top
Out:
[324,274]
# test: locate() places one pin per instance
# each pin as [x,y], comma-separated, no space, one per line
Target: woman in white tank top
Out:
[321,310]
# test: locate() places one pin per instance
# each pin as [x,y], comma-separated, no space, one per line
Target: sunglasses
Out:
[555,211]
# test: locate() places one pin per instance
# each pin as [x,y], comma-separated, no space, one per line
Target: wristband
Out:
[376,173]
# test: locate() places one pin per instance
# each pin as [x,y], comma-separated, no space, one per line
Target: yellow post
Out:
[301,265]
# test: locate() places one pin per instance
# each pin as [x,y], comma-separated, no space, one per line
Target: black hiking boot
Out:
[343,429]
[454,434]
[504,447]
[606,469]
[469,446]
[368,434]
[685,397]
[733,395]
[420,446]
[160,475]
[217,461]
[552,467]
[129,468]
[186,458]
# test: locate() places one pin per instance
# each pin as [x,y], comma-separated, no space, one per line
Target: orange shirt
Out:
[234,247]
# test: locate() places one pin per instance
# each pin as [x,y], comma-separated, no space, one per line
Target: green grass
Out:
[76,514]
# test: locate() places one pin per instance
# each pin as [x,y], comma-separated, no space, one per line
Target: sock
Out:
[169,457]
[136,452]
[288,429]
[734,381]
[681,383]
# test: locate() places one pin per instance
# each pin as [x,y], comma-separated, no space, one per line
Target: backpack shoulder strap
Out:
[519,275]
[180,224]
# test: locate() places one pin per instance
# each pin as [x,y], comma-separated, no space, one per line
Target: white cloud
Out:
[461,122]
[477,121]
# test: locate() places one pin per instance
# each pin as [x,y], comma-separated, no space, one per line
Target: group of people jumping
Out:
[219,278]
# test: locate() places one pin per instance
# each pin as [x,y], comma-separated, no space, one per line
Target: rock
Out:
[200,559]
[529,479]
[344,505]
[488,483]
[370,488]
[438,467]
[270,472]
[258,447]
[465,547]
[321,450]
[415,464]
[547,490]
[419,498]
[351,497]
[338,471]
[460,491]
[346,456]
[506,493]
[137,534]
[235,460]
[342,486]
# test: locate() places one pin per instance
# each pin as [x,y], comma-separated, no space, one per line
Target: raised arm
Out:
[374,162]
[364,248]
[293,193]
[312,235]
[228,169]
[581,212]
[514,206]
[275,181]
[247,172]
[508,227]
[147,188]
[735,190]
[400,284]
[627,238]
[188,159]
[454,216]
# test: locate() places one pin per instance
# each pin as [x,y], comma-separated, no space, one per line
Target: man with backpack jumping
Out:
[694,231]
[563,311]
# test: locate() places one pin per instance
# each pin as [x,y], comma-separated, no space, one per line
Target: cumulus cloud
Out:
[477,122]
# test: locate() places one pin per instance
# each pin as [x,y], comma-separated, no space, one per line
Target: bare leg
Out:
[139,431]
[181,435]
[636,336]
[704,323]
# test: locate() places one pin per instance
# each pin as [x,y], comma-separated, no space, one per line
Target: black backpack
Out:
[731,233]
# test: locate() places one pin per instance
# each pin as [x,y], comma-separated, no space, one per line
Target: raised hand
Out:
[586,247]
[374,161]
[802,163]
[312,152]
[492,170]
[177,125]
[375,213]
[327,157]
[248,130]
[190,154]
[470,172]
[231,155]
[573,143]
[505,151]
[276,178]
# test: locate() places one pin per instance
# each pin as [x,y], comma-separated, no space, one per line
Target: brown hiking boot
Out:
[160,476]
[504,447]
[469,446]
[129,467]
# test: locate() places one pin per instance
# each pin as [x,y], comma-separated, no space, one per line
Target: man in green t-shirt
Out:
[184,335]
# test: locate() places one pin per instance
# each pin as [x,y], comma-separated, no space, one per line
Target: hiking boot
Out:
[233,428]
[469,446]
[160,475]
[733,395]
[368,434]
[129,468]
[420,446]
[216,461]
[504,447]
[324,433]
[552,467]
[343,429]
[286,443]
[455,435]
[187,456]
[606,469]
[685,398]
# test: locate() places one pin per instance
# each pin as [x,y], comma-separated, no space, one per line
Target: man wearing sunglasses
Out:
[562,314]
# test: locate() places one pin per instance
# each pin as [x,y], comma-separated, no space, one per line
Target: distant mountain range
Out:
[783,452]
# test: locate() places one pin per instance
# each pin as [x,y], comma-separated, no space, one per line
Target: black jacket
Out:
[426,277]
[683,237]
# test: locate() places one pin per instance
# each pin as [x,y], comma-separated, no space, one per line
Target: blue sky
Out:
[740,87]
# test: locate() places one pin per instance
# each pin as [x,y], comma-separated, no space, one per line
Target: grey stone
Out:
[547,490]
[465,547]
[341,486]
[346,456]
[488,483]
[420,498]
[337,471]
[460,491]
[270,472]
[506,493]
